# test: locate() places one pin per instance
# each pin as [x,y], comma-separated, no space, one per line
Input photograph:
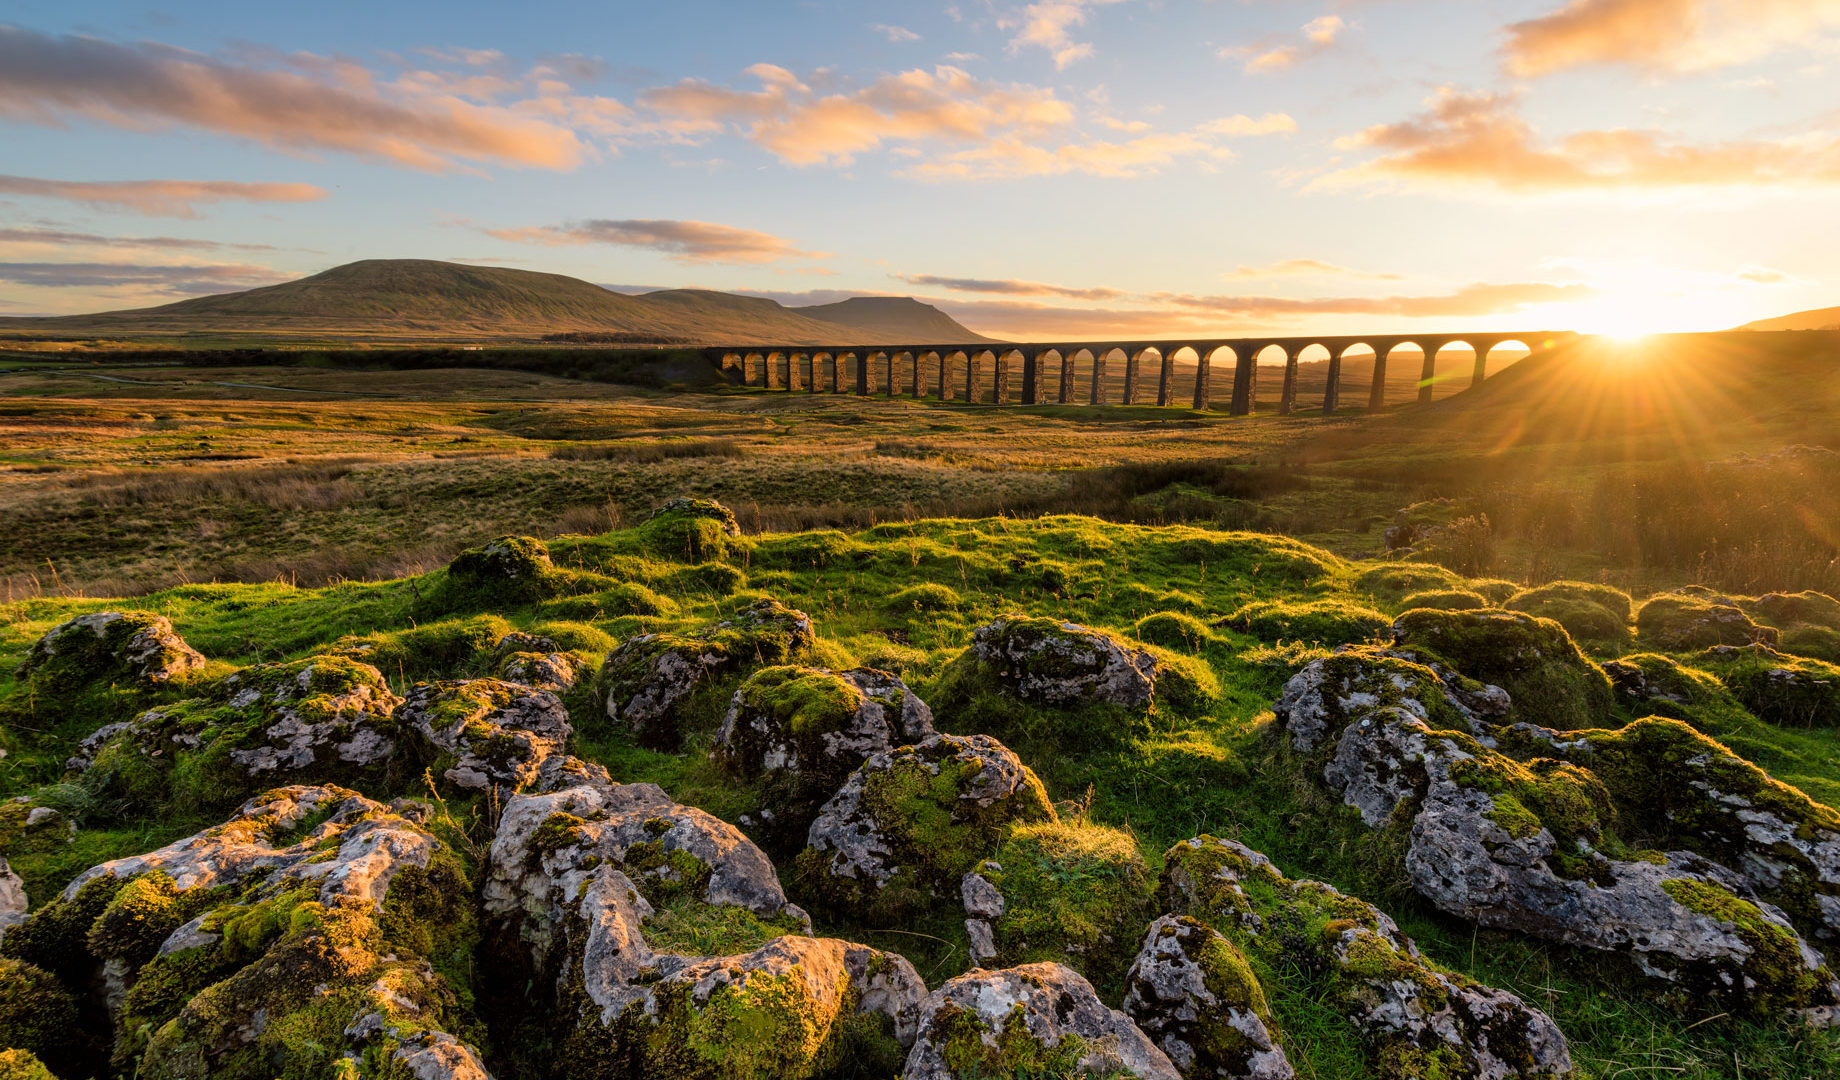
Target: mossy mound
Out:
[23,1065]
[1786,610]
[138,648]
[1395,581]
[1174,630]
[690,529]
[1327,622]
[1595,613]
[509,572]
[320,718]
[927,597]
[1495,589]
[647,681]
[37,1014]
[439,649]
[1073,892]
[1445,600]
[1792,691]
[1678,622]
[906,826]
[1654,683]
[1551,682]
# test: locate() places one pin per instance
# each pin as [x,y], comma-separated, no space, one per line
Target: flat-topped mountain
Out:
[428,299]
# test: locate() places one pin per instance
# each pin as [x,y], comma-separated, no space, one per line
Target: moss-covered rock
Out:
[1814,642]
[1193,993]
[1321,699]
[507,570]
[1786,610]
[800,732]
[321,718]
[1550,681]
[1069,891]
[1413,1018]
[1679,621]
[1793,691]
[1394,581]
[1038,1020]
[1328,622]
[23,1065]
[486,733]
[908,824]
[1592,613]
[37,1014]
[646,681]
[137,648]
[690,530]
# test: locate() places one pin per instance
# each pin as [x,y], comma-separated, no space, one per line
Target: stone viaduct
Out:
[894,370]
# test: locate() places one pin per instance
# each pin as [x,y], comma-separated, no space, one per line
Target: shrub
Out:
[1332,622]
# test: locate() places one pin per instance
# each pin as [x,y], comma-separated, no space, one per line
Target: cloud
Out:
[685,241]
[1011,158]
[1472,300]
[1269,124]
[156,198]
[1009,287]
[65,238]
[306,103]
[1319,36]
[172,280]
[1049,25]
[1481,140]
[1302,268]
[1664,36]
[895,34]
[805,126]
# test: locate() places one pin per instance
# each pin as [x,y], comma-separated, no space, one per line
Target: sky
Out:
[1062,168]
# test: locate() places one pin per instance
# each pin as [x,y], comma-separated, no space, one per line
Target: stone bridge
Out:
[894,370]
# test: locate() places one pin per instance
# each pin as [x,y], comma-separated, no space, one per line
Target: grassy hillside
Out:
[896,314]
[410,299]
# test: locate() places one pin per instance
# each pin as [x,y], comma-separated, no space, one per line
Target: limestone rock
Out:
[319,718]
[1037,1019]
[1193,994]
[1413,1018]
[646,679]
[805,730]
[1320,699]
[868,853]
[684,506]
[108,646]
[13,902]
[500,733]
[1049,662]
[536,662]
[439,1056]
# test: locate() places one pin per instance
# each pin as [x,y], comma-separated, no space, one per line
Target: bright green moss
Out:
[1174,630]
[690,530]
[1597,614]
[1789,690]
[926,597]
[1678,621]
[1396,581]
[688,926]
[1551,682]
[1445,600]
[1560,797]
[559,830]
[710,578]
[972,1047]
[23,1065]
[141,916]
[1777,976]
[443,649]
[36,1013]
[1331,622]
[248,929]
[1074,893]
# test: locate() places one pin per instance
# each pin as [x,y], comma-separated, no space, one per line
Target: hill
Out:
[896,314]
[1818,319]
[422,299]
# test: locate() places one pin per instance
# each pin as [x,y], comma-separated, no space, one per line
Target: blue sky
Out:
[1058,167]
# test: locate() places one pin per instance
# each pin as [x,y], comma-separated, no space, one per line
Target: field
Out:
[278,513]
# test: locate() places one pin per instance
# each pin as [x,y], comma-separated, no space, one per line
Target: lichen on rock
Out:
[1193,993]
[1413,1018]
[497,733]
[908,824]
[799,732]
[134,647]
[1327,693]
[647,679]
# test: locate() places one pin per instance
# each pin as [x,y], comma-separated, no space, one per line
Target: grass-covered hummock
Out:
[1552,683]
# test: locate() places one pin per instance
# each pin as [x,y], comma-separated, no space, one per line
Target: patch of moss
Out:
[36,1013]
[1792,691]
[1445,600]
[688,926]
[1331,622]
[1551,682]
[104,648]
[23,1065]
[1174,630]
[690,529]
[1777,979]
[970,1046]
[1396,581]
[1679,621]
[1075,893]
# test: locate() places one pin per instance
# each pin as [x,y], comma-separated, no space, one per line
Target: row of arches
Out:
[1089,373]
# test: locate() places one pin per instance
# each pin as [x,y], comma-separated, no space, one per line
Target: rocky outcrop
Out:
[1034,1020]
[645,681]
[906,826]
[1413,1018]
[802,731]
[110,646]
[535,662]
[325,717]
[13,902]
[1548,679]
[497,733]
[1050,662]
[1321,698]
[1195,996]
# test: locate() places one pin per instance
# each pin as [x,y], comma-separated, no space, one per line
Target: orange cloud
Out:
[157,198]
[169,280]
[1480,139]
[319,105]
[1013,158]
[803,126]
[1049,24]
[1318,37]
[1664,35]
[1302,268]
[1009,287]
[686,241]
